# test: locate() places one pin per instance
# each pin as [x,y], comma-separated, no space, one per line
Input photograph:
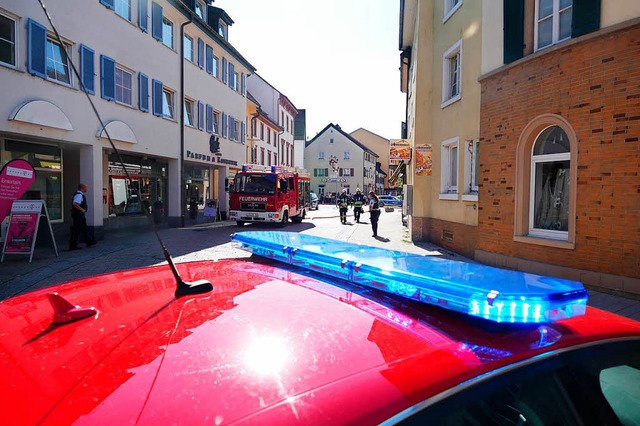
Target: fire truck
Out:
[270,194]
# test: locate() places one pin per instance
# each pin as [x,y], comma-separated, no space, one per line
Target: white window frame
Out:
[223,31]
[236,130]
[454,52]
[471,175]
[123,9]
[450,152]
[64,58]
[347,155]
[13,44]
[450,7]
[555,23]
[189,111]
[189,51]
[167,32]
[321,155]
[216,66]
[203,10]
[168,103]
[535,160]
[120,89]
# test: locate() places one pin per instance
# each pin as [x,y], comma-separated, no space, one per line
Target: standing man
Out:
[343,204]
[357,200]
[79,228]
[374,209]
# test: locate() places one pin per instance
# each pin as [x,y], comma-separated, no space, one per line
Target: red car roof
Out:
[269,345]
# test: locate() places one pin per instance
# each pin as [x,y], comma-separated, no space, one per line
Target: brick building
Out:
[559,133]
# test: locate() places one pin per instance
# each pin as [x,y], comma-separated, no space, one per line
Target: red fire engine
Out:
[270,194]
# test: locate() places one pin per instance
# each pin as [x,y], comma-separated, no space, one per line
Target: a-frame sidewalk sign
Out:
[24,223]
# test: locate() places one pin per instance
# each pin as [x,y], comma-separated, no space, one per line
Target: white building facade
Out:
[281,111]
[337,161]
[130,59]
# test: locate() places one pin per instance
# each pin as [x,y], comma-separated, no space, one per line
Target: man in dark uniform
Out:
[343,204]
[79,228]
[357,201]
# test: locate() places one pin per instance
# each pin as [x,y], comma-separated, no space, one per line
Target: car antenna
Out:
[183,288]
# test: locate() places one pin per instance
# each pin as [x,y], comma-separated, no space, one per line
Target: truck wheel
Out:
[239,223]
[285,219]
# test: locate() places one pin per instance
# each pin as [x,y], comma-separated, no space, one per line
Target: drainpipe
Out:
[182,181]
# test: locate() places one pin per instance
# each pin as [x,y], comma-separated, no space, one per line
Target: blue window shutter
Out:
[209,113]
[37,44]
[209,59]
[143,92]
[108,3]
[156,21]
[224,70]
[87,68]
[232,71]
[200,115]
[232,129]
[224,125]
[243,82]
[143,15]
[201,53]
[107,78]
[243,131]
[513,30]
[157,97]
[586,17]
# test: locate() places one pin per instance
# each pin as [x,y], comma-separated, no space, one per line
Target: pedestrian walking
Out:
[343,205]
[357,201]
[79,227]
[374,210]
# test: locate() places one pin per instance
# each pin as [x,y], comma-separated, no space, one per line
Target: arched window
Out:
[546,179]
[550,172]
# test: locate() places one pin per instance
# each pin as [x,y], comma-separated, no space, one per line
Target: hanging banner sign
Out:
[399,150]
[424,160]
[15,178]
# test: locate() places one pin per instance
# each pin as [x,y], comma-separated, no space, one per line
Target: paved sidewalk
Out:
[198,241]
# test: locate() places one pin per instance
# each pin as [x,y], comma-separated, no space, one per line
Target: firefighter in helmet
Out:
[343,205]
[357,201]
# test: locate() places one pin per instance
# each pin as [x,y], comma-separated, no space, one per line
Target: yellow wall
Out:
[433,123]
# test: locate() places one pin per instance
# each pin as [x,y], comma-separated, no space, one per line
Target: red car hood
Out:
[267,345]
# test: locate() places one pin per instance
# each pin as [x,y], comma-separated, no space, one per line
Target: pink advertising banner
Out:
[22,232]
[15,178]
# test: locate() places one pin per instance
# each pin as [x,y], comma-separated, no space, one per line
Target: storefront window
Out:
[145,184]
[47,161]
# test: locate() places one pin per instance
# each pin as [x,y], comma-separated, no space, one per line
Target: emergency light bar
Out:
[494,294]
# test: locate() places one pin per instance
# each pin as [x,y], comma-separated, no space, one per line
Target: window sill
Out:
[453,197]
[569,245]
[450,101]
[469,197]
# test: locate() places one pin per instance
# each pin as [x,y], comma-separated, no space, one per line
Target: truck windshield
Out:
[255,183]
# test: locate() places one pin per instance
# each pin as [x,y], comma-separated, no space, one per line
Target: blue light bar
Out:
[494,294]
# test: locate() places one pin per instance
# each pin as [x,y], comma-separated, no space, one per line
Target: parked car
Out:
[314,201]
[389,200]
[348,339]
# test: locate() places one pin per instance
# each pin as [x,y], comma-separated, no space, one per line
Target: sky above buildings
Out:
[338,59]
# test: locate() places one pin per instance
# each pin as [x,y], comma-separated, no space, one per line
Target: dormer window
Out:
[222,29]
[201,10]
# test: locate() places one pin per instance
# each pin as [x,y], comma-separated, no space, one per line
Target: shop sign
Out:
[210,158]
[333,180]
[399,151]
[15,178]
[424,162]
[23,227]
